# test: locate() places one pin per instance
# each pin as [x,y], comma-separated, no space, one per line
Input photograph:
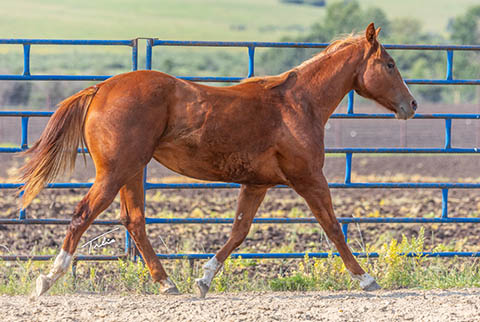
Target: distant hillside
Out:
[192,19]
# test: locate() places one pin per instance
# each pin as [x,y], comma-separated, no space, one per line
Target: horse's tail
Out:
[56,150]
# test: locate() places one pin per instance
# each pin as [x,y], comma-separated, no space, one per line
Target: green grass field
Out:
[266,20]
[169,19]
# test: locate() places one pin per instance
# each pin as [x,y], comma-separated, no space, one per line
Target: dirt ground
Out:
[399,305]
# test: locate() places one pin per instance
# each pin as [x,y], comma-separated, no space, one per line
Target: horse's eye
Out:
[390,65]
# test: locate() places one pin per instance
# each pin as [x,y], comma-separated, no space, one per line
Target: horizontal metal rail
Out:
[317,255]
[199,43]
[243,256]
[300,220]
[27,43]
[250,46]
[82,42]
[339,150]
[442,116]
[221,185]
[76,258]
[54,77]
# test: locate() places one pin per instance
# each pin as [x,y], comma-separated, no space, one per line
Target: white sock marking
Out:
[210,269]
[364,279]
[60,266]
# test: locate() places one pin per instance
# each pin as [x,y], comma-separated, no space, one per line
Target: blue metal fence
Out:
[250,46]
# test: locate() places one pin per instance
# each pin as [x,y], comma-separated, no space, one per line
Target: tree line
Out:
[343,17]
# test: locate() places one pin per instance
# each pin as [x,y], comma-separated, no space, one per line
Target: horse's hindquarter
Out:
[226,134]
[126,118]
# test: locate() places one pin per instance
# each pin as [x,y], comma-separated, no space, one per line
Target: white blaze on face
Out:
[407,103]
[408,89]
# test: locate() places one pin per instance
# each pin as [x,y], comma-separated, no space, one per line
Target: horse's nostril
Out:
[414,105]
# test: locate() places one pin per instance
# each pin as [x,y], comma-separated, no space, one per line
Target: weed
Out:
[392,269]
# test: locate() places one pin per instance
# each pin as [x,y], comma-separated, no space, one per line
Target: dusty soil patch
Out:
[400,305]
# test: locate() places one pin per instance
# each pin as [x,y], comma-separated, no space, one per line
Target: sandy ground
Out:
[399,305]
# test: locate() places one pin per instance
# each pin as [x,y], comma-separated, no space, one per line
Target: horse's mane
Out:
[335,45]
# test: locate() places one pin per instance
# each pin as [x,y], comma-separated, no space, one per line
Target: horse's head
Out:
[379,79]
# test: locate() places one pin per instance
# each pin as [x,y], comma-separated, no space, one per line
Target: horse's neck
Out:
[325,81]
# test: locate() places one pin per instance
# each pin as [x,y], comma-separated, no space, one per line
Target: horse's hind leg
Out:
[250,198]
[133,218]
[98,198]
[316,193]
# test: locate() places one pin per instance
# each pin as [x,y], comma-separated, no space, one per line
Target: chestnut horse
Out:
[260,133]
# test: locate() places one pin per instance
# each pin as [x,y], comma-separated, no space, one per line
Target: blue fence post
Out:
[348,156]
[135,54]
[449,75]
[22,214]
[348,167]
[24,139]
[444,203]
[26,59]
[128,243]
[251,61]
[128,240]
[448,145]
[345,231]
[23,146]
[148,54]
[350,102]
[448,133]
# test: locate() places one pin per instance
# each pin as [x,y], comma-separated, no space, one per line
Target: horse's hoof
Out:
[372,287]
[42,285]
[173,290]
[170,288]
[202,288]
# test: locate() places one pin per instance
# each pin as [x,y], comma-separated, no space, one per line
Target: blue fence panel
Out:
[250,46]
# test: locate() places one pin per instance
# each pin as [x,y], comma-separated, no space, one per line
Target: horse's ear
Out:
[377,31]
[371,34]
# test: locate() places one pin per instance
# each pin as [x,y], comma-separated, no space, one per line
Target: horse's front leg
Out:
[314,189]
[248,202]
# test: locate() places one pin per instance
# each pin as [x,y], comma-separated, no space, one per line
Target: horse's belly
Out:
[240,166]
